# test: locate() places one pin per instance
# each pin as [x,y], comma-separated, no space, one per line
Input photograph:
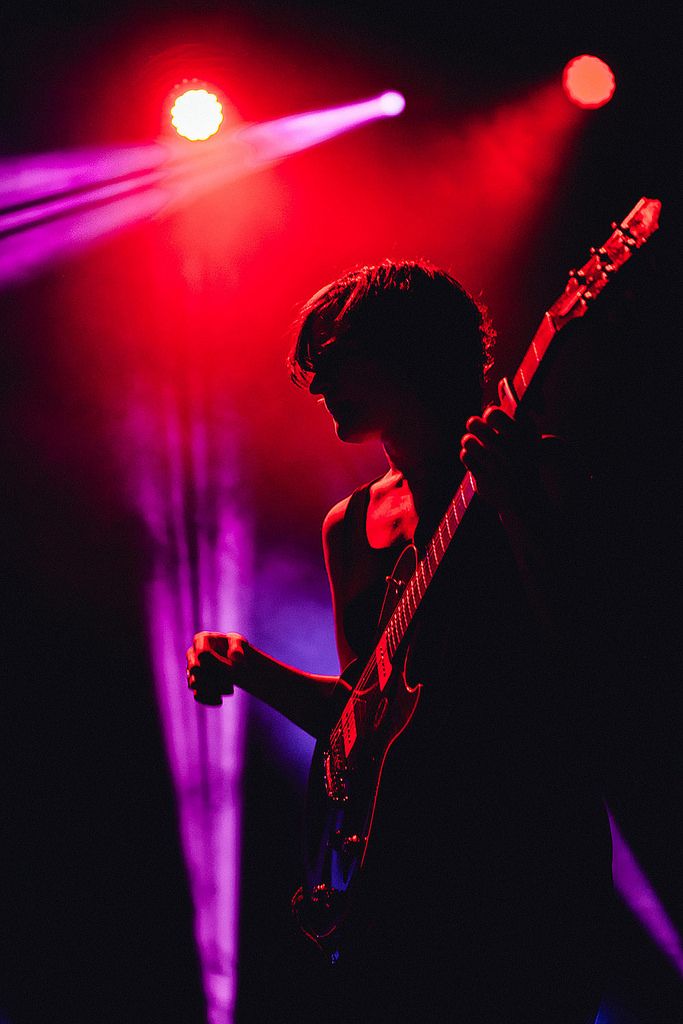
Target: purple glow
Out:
[201,578]
[26,179]
[60,202]
[642,900]
[51,208]
[24,253]
[291,591]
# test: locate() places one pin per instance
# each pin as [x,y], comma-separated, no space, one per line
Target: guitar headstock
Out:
[642,221]
[585,284]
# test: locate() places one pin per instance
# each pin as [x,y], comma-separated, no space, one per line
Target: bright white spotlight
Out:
[197,115]
[392,103]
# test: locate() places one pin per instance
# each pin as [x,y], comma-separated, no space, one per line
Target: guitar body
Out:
[342,793]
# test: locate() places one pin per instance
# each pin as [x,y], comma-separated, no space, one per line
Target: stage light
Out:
[392,103]
[197,115]
[60,202]
[588,82]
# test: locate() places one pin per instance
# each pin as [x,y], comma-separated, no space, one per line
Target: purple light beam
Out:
[52,205]
[201,574]
[639,896]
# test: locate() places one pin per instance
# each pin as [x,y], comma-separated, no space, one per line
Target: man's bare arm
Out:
[217,662]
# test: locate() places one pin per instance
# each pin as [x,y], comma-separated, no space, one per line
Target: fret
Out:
[397,626]
[401,616]
[408,595]
[534,356]
[429,565]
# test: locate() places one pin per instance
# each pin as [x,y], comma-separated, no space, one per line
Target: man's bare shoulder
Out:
[333,524]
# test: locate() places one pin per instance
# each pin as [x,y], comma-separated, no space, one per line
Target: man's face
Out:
[354,389]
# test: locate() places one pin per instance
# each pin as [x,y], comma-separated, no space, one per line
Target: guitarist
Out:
[487,882]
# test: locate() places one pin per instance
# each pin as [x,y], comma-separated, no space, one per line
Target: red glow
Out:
[588,82]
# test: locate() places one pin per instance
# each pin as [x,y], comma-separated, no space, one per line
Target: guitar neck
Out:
[435,551]
[583,286]
[534,356]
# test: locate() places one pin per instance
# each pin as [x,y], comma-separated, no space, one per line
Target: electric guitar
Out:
[347,765]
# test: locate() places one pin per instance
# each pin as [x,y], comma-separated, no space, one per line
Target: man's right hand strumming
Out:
[215,662]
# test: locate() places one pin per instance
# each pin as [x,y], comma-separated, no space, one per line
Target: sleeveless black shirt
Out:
[488,845]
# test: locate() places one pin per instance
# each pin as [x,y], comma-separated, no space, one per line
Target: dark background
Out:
[95,915]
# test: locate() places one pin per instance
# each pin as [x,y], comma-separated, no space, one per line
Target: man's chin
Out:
[349,434]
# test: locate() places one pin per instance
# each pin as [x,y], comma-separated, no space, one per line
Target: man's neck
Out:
[428,461]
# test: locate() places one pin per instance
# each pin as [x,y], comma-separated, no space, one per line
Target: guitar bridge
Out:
[334,769]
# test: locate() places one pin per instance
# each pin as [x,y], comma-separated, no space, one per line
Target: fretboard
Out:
[411,598]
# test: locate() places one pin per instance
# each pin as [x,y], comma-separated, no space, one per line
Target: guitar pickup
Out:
[383,661]
[335,778]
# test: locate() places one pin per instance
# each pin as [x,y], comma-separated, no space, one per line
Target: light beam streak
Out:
[68,192]
[640,897]
[201,574]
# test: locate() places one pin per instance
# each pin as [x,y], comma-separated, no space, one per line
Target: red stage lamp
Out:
[197,114]
[588,82]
